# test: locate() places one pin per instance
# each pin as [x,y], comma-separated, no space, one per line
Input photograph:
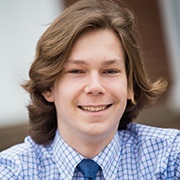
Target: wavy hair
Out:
[54,47]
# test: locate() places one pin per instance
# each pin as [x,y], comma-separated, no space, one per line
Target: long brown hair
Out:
[52,51]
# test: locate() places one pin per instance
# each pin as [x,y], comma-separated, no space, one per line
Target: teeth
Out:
[93,109]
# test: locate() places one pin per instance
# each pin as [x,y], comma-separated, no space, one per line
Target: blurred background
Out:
[24,21]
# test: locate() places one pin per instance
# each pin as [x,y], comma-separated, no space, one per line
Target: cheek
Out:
[66,92]
[120,90]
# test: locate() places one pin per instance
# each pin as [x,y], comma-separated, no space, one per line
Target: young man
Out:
[87,83]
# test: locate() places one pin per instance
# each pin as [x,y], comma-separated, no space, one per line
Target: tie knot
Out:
[88,168]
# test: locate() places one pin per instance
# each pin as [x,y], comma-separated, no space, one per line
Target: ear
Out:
[48,95]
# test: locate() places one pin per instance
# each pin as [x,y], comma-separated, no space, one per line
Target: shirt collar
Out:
[67,158]
[109,157]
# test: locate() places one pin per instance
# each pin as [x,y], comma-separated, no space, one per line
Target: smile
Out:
[94,108]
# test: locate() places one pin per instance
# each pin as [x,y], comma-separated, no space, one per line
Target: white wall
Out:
[22,22]
[170,13]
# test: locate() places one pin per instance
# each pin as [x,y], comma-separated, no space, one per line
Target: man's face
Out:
[91,94]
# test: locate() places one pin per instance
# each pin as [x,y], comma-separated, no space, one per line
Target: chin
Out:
[99,131]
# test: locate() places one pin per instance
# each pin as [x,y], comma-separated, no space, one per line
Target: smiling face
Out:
[91,94]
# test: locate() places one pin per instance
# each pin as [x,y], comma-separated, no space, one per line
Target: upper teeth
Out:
[93,109]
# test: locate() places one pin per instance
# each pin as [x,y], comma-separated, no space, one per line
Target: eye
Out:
[110,71]
[76,71]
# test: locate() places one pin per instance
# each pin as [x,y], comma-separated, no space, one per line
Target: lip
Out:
[94,108]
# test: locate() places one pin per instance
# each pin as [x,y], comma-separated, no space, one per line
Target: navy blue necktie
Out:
[88,168]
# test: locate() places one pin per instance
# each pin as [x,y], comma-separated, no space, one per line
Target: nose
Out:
[94,85]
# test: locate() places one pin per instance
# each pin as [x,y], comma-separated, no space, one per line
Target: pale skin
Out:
[91,94]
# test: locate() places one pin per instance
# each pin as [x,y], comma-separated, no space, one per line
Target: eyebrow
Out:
[111,61]
[105,62]
[78,62]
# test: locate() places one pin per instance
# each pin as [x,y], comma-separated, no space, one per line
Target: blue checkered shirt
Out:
[137,153]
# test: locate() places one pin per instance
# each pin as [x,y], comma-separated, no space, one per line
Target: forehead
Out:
[95,45]
[105,35]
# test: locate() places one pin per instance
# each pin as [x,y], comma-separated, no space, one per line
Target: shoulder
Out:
[139,132]
[150,150]
[142,136]
[151,141]
[152,147]
[23,150]
[21,157]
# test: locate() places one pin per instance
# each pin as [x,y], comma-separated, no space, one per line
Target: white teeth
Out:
[93,109]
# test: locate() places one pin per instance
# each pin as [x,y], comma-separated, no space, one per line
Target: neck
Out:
[88,147]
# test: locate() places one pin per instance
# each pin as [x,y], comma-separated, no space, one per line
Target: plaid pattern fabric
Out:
[137,153]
